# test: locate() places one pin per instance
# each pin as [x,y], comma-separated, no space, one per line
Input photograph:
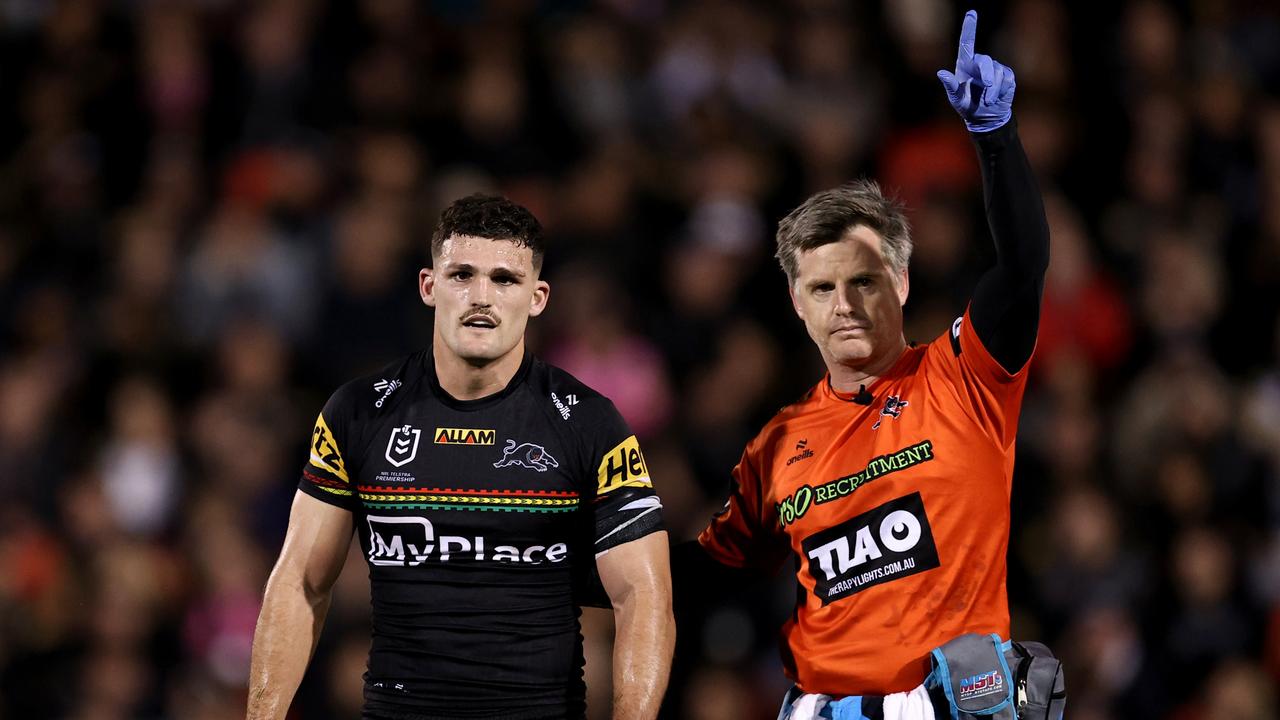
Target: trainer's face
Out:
[484,292]
[850,300]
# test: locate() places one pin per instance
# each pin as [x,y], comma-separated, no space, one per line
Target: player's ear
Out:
[427,286]
[903,286]
[795,303]
[538,303]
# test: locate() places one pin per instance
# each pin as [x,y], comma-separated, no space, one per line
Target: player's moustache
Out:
[478,314]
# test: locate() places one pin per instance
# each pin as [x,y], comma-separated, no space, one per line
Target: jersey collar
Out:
[429,369]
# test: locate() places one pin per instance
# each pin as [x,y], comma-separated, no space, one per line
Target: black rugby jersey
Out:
[478,520]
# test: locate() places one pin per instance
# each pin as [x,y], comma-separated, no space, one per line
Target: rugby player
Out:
[485,487]
[889,481]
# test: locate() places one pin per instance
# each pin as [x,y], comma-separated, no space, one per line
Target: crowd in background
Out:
[212,213]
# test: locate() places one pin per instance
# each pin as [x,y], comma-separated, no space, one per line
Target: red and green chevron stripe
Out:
[402,498]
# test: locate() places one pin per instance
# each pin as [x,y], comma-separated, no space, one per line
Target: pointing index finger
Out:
[968,33]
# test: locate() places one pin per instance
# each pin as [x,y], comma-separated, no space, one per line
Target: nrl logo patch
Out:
[533,457]
[402,446]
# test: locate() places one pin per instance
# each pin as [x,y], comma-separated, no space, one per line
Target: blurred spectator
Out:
[1094,565]
[241,266]
[602,352]
[140,467]
[1083,313]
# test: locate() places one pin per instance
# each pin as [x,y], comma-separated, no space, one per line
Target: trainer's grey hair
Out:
[828,215]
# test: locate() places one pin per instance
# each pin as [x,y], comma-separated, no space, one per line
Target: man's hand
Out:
[981,89]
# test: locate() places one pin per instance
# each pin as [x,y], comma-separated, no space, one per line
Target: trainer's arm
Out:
[1006,303]
[295,604]
[1005,309]
[637,577]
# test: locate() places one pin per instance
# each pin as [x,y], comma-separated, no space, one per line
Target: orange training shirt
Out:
[897,512]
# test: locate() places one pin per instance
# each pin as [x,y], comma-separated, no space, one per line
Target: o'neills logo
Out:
[803,455]
[802,452]
[465,436]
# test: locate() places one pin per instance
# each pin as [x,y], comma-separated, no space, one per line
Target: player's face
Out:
[484,292]
[850,300]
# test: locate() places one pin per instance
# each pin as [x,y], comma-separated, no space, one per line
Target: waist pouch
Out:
[985,677]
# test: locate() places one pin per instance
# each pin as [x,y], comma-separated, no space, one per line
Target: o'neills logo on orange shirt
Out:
[465,436]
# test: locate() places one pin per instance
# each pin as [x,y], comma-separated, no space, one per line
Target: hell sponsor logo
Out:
[406,541]
[887,543]
[623,466]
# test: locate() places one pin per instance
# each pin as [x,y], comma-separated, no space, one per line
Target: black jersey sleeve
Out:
[625,507]
[1006,303]
[327,475]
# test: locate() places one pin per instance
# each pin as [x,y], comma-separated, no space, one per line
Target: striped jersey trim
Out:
[487,493]
[544,501]
[452,506]
[325,482]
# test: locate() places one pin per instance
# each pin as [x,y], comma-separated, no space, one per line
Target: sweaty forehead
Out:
[484,253]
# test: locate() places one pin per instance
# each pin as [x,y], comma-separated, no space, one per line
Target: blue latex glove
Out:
[981,89]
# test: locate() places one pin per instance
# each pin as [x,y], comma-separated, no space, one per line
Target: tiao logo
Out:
[890,542]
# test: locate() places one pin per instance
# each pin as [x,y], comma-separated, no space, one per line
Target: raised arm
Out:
[295,604]
[1005,309]
[637,577]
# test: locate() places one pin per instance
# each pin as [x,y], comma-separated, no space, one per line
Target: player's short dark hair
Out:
[493,217]
[828,215]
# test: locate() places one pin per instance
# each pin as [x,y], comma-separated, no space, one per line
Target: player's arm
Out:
[631,559]
[637,578]
[295,603]
[1005,309]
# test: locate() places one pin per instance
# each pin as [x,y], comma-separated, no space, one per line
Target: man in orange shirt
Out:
[889,482]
